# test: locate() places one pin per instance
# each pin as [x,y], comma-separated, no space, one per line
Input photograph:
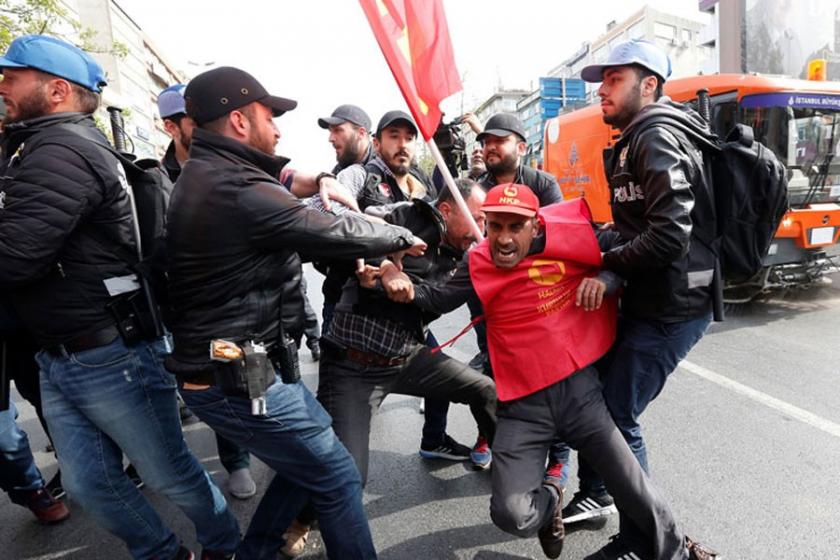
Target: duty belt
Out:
[84,342]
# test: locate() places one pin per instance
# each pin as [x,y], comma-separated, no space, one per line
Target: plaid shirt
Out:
[372,334]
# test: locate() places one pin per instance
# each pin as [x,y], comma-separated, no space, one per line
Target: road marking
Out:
[785,408]
[763,398]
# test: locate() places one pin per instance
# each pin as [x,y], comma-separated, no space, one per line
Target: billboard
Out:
[781,36]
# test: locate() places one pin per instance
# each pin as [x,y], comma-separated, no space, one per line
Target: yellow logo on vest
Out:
[546,272]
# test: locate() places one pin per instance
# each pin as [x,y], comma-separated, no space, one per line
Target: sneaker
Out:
[697,551]
[241,485]
[617,549]
[481,456]
[450,450]
[552,533]
[46,508]
[591,509]
[478,361]
[295,536]
[314,348]
[131,473]
[54,486]
[554,472]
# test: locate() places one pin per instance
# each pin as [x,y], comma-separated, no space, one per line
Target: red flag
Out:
[414,38]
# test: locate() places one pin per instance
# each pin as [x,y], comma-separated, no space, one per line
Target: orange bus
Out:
[798,119]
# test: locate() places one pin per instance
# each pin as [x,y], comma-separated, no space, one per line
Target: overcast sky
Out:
[322,52]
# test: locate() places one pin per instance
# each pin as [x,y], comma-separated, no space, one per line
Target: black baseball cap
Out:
[346,113]
[219,91]
[392,117]
[502,124]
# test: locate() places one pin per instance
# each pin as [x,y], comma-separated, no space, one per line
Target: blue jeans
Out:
[18,474]
[114,399]
[295,439]
[646,352]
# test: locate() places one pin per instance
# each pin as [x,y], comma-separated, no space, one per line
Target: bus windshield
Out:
[804,132]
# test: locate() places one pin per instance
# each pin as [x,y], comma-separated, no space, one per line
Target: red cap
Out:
[512,198]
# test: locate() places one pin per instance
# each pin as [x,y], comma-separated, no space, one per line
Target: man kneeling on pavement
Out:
[539,267]
[376,347]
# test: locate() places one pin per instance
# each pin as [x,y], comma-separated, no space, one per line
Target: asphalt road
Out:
[744,441]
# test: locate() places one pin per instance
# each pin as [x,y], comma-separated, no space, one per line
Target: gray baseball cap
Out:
[636,51]
[346,113]
[502,125]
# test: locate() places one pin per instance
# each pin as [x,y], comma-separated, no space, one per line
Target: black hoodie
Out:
[661,202]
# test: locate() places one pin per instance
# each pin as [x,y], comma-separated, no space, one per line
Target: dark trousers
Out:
[574,410]
[634,372]
[232,456]
[352,392]
[434,417]
[20,349]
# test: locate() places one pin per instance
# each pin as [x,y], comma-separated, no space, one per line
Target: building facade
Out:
[133,80]
[677,36]
[777,37]
[554,95]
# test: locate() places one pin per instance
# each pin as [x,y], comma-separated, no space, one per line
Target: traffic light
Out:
[817,69]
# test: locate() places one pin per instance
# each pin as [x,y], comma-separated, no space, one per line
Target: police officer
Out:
[660,201]
[65,219]
[233,236]
[349,128]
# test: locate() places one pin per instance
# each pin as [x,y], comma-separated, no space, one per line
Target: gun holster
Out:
[249,376]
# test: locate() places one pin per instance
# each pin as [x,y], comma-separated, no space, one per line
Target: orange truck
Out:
[798,119]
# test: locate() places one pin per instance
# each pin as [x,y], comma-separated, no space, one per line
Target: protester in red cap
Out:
[540,267]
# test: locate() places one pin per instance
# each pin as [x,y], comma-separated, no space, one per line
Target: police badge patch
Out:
[622,157]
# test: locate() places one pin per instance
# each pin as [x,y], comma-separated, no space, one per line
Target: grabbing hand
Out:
[590,294]
[397,285]
[368,275]
[330,189]
[418,247]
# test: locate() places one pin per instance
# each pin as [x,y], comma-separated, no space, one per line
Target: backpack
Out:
[750,193]
[151,190]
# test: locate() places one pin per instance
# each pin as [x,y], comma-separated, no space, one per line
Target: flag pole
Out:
[450,184]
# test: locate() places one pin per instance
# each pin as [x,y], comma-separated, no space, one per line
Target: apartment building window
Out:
[665,34]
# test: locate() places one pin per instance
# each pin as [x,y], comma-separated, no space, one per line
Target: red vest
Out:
[535,332]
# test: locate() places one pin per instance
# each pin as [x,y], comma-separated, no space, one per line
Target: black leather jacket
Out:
[662,207]
[380,188]
[434,268]
[234,234]
[61,196]
[543,184]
